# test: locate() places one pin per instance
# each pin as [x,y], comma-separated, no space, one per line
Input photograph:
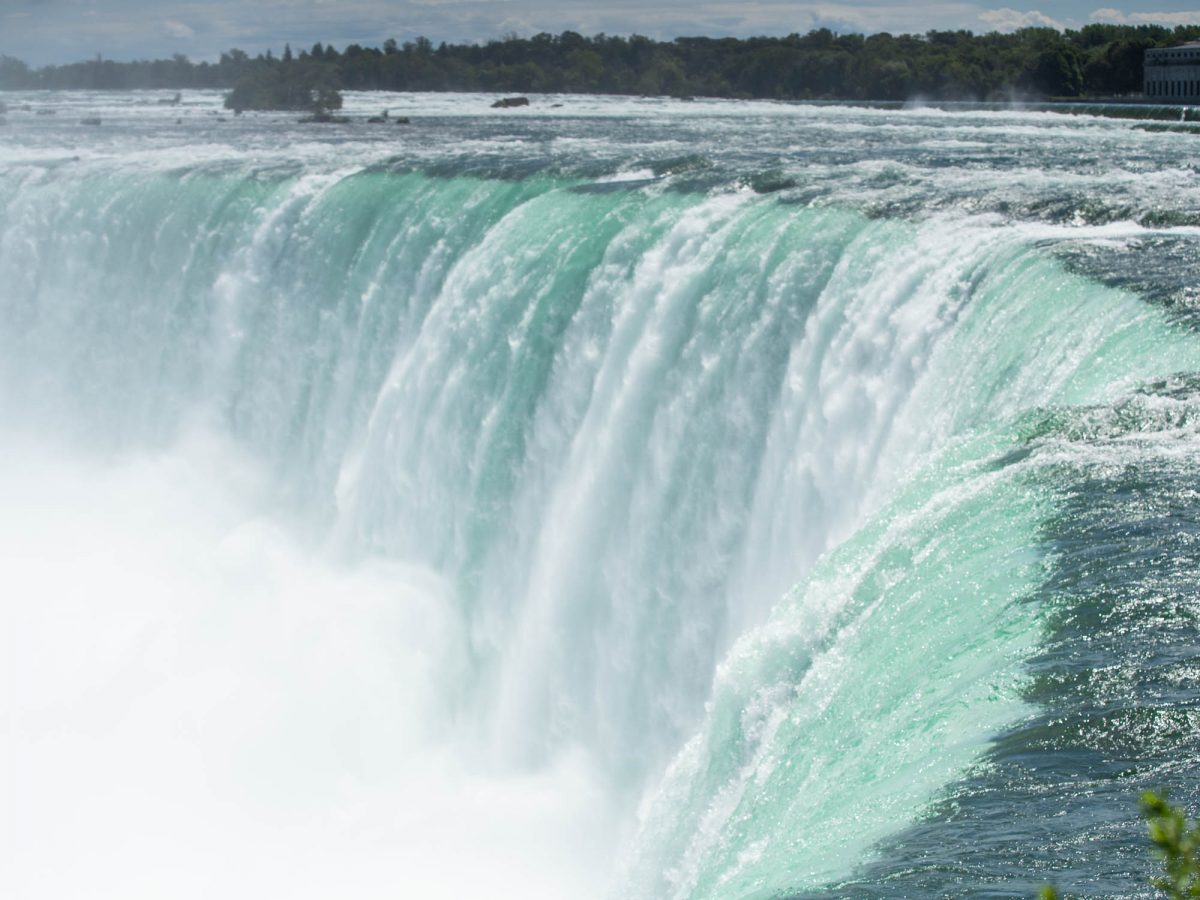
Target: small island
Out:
[308,84]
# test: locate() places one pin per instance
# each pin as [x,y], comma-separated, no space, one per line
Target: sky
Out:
[56,31]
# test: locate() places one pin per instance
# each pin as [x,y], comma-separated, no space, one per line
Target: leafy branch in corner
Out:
[1175,843]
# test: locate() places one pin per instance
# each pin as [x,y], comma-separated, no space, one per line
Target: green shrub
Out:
[1174,842]
[1176,845]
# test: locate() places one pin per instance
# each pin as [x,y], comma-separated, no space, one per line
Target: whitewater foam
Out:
[410,514]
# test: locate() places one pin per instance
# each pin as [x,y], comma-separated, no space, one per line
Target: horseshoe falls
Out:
[613,499]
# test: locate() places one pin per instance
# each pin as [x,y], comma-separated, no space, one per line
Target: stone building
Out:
[1172,74]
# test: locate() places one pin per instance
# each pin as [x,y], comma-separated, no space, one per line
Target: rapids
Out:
[624,498]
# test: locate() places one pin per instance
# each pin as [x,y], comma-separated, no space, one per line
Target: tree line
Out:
[1093,61]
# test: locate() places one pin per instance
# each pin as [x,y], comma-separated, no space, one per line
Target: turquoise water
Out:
[627,499]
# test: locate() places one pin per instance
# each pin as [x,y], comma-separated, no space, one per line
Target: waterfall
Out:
[381,507]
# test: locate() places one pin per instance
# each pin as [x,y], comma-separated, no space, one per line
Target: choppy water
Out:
[612,497]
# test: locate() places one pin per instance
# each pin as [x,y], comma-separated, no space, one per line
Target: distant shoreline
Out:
[1030,65]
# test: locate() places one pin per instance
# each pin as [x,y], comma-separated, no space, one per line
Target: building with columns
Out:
[1172,74]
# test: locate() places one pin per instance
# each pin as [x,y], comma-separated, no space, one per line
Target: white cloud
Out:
[1182,17]
[1006,19]
[175,29]
[133,29]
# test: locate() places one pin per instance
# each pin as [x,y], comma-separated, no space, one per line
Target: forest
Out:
[1096,61]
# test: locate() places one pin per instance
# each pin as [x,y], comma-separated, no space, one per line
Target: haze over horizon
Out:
[42,32]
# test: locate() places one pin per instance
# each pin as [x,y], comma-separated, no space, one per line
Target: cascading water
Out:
[600,502]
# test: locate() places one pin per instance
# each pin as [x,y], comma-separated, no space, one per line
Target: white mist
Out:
[196,704]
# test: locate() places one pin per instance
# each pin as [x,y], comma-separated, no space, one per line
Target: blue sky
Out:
[51,31]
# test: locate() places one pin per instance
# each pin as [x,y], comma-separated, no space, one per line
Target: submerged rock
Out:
[510,102]
[325,119]
[90,120]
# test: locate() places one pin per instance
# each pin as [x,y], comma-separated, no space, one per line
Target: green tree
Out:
[13,73]
[301,85]
[1057,73]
